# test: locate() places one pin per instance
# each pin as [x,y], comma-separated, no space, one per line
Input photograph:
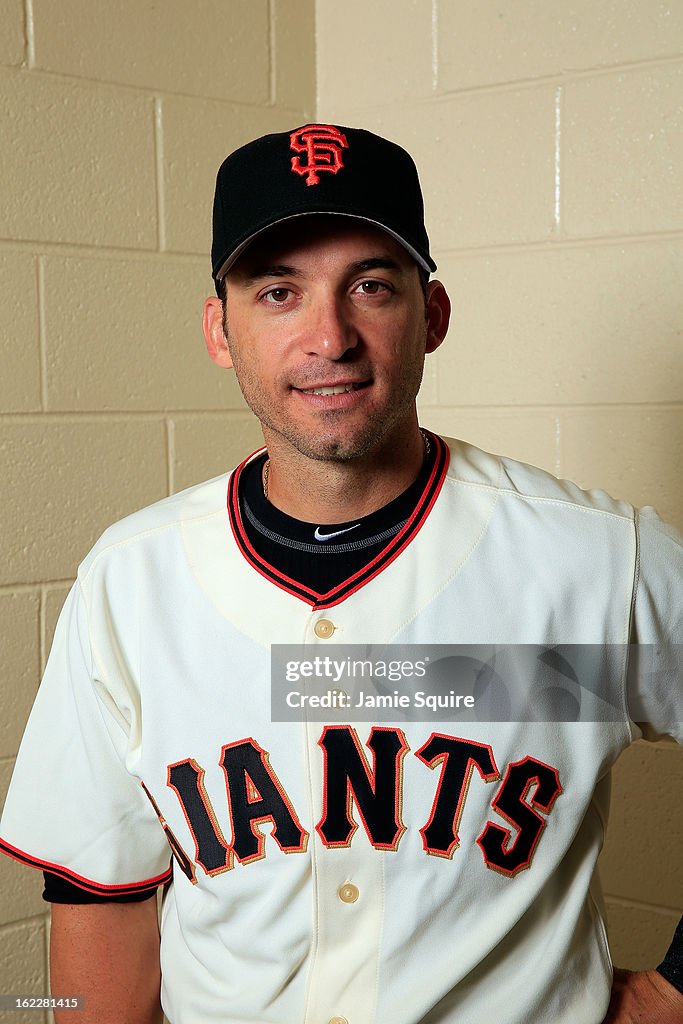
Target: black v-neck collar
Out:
[417,500]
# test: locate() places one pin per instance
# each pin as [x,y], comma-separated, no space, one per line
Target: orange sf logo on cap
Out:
[322,144]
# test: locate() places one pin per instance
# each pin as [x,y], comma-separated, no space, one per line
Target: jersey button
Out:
[338,1020]
[348,893]
[323,629]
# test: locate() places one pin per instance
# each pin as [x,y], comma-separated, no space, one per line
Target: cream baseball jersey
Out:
[349,871]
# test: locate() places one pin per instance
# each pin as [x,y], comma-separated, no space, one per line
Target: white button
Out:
[341,697]
[323,629]
[348,893]
[338,1020]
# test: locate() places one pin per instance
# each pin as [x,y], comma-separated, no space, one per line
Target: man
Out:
[330,871]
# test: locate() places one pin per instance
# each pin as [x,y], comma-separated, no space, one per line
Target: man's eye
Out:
[276,296]
[371,287]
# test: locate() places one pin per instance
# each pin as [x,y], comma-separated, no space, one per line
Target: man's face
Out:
[327,325]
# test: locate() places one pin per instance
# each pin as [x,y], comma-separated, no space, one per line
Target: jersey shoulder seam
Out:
[139,535]
[521,495]
[490,472]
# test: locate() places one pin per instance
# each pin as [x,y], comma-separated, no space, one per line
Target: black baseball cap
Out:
[317,168]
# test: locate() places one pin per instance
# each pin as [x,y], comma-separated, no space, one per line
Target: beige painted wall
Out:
[113,120]
[551,164]
[549,141]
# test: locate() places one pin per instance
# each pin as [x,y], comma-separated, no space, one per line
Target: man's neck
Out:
[323,491]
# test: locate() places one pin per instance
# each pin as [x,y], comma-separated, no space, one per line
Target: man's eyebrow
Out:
[376,263]
[273,270]
[260,273]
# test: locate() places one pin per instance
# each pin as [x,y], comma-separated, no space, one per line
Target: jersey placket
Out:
[348,892]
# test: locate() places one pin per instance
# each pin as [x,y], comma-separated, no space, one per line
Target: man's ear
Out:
[212,323]
[438,312]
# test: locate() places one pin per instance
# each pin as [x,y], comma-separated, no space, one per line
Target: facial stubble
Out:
[323,447]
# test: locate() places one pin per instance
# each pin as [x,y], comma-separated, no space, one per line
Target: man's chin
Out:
[334,448]
[335,451]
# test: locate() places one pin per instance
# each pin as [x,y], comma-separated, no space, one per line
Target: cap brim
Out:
[426,263]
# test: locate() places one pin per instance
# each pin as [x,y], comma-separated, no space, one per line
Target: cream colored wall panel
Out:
[639,936]
[482,42]
[641,858]
[294,55]
[23,966]
[570,325]
[203,48]
[369,53]
[12,39]
[197,137]
[622,150]
[65,481]
[54,599]
[486,163]
[20,885]
[127,335]
[81,163]
[19,641]
[208,446]
[634,453]
[19,343]
[524,434]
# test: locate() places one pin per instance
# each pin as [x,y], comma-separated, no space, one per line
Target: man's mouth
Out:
[333,389]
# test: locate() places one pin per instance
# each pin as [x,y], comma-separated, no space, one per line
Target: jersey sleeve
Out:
[74,806]
[59,890]
[655,679]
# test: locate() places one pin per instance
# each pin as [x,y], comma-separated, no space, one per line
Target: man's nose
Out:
[332,332]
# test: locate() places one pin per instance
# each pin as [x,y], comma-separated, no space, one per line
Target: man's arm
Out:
[643,997]
[650,997]
[108,953]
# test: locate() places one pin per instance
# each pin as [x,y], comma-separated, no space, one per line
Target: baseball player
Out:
[341,869]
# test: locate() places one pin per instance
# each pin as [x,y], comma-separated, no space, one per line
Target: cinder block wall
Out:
[550,161]
[114,118]
[549,141]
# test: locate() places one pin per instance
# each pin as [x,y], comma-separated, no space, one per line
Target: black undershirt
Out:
[290,545]
[294,547]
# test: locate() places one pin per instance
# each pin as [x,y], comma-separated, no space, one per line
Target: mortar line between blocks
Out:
[625,901]
[143,91]
[558,446]
[170,455]
[42,332]
[435,45]
[179,257]
[551,77]
[560,245]
[159,175]
[272,89]
[117,415]
[15,587]
[558,158]
[29,29]
[31,919]
[42,630]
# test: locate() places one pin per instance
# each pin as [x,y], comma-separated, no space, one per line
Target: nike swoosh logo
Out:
[337,533]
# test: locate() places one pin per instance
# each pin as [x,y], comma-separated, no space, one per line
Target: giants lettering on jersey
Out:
[255,794]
